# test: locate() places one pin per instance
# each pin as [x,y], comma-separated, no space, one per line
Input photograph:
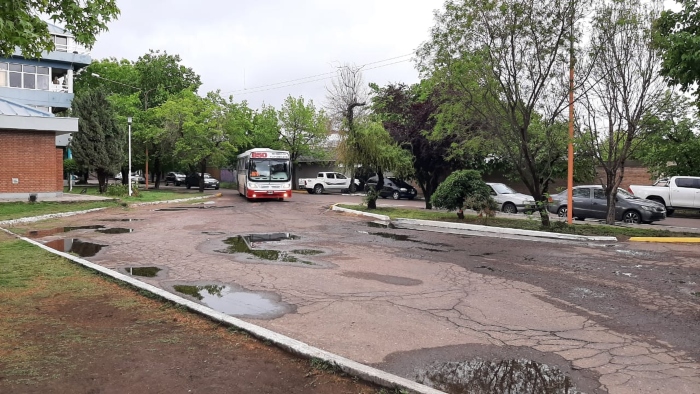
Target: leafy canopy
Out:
[22,27]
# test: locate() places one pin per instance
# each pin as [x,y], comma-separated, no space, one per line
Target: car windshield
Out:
[626,195]
[268,170]
[502,189]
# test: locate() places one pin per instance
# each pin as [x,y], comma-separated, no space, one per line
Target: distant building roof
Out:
[54,29]
[9,107]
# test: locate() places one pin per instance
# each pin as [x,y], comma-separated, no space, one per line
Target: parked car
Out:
[393,187]
[678,192]
[510,201]
[174,178]
[590,202]
[209,181]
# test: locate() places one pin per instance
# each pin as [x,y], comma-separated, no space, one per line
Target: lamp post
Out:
[129,178]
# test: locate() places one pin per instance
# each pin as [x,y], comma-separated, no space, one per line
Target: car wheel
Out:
[632,217]
[178,183]
[189,186]
[395,195]
[561,212]
[509,207]
[669,212]
[353,188]
[412,197]
[216,187]
[310,191]
[318,189]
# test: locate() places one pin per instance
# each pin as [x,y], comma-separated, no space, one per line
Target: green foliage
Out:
[460,186]
[677,35]
[118,190]
[99,144]
[21,23]
[69,166]
[673,145]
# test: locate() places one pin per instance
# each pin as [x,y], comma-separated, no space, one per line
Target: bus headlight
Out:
[287,185]
[251,185]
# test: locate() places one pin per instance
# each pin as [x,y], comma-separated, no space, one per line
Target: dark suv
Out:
[393,187]
[193,180]
[174,178]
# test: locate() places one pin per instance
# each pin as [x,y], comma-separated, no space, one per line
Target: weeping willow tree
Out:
[371,146]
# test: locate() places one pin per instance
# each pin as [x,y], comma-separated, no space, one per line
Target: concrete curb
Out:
[291,345]
[173,201]
[32,219]
[503,230]
[372,215]
[665,239]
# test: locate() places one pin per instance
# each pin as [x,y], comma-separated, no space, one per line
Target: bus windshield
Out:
[268,170]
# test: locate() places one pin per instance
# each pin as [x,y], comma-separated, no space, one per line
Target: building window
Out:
[3,74]
[24,76]
[61,43]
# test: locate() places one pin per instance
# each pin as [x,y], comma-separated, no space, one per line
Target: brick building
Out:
[33,140]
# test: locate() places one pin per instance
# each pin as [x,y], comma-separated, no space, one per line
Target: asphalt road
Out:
[433,307]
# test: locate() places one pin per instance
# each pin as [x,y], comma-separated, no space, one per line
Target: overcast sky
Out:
[239,46]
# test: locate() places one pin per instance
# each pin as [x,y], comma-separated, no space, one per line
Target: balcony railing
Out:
[72,47]
[58,87]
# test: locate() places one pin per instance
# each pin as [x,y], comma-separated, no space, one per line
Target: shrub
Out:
[453,193]
[119,190]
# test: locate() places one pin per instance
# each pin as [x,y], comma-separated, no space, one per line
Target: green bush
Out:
[119,190]
[462,189]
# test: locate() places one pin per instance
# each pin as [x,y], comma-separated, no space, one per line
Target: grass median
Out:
[529,223]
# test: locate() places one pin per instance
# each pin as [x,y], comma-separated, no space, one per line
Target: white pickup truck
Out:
[325,181]
[680,192]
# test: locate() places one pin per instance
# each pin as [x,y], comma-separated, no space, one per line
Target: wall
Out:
[31,157]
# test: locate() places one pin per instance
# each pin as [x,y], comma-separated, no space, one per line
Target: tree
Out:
[672,147]
[459,188]
[303,130]
[677,35]
[99,143]
[505,62]
[409,114]
[347,99]
[22,27]
[624,89]
[371,146]
[198,126]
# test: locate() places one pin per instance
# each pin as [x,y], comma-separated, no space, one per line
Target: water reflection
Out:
[58,230]
[239,245]
[497,377]
[116,230]
[148,272]
[228,300]
[74,245]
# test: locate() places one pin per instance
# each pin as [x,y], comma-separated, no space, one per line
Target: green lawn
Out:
[532,223]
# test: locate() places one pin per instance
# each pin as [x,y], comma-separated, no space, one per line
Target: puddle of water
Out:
[381,225]
[307,252]
[148,272]
[485,267]
[116,230]
[270,237]
[396,237]
[488,377]
[432,250]
[233,302]
[239,245]
[120,220]
[213,232]
[171,209]
[74,245]
[58,230]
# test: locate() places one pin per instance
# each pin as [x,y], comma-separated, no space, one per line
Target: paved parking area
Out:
[613,318]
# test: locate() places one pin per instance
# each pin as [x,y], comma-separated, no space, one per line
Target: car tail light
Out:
[629,189]
[550,199]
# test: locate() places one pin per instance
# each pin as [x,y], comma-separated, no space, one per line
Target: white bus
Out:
[264,173]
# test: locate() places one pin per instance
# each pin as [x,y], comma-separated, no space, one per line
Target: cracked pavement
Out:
[618,319]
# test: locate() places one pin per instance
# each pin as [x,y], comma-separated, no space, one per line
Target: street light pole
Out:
[129,178]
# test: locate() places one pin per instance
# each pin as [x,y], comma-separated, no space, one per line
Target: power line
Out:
[318,77]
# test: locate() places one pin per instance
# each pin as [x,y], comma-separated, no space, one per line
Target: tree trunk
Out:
[202,170]
[102,181]
[157,171]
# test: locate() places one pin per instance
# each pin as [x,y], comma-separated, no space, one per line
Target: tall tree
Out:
[677,35]
[22,25]
[507,59]
[371,146]
[99,143]
[303,130]
[409,114]
[347,98]
[624,89]
[673,147]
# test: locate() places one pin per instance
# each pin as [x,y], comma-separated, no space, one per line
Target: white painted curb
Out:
[173,201]
[502,230]
[32,219]
[348,366]
[373,215]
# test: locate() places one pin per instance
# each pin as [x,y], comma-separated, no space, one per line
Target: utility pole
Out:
[570,173]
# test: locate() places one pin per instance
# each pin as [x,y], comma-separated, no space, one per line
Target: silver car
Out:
[510,201]
[590,202]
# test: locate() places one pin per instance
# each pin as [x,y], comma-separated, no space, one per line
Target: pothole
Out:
[76,246]
[501,376]
[236,301]
[307,252]
[381,225]
[116,230]
[170,209]
[147,272]
[242,244]
[389,279]
[119,220]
